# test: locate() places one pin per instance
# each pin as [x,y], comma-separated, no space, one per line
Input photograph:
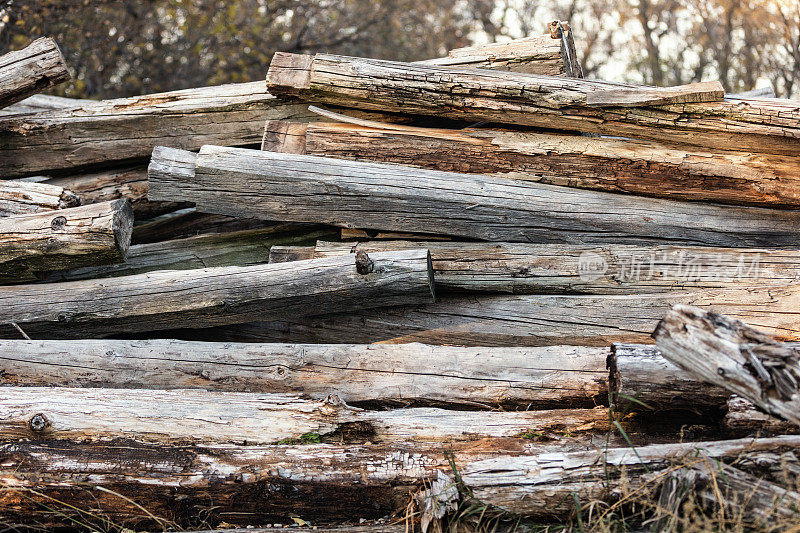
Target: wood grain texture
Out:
[213,296]
[188,222]
[34,244]
[303,188]
[692,93]
[42,102]
[31,70]
[541,377]
[743,418]
[727,352]
[642,167]
[21,197]
[763,126]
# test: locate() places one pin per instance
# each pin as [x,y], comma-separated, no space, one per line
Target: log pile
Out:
[477,285]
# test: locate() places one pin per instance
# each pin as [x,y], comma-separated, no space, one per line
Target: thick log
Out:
[189,222]
[727,352]
[743,418]
[647,168]
[216,296]
[303,188]
[33,244]
[763,126]
[523,320]
[21,197]
[544,377]
[31,70]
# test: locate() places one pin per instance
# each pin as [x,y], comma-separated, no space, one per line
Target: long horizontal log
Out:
[33,69]
[189,222]
[523,320]
[42,102]
[302,188]
[21,197]
[727,352]
[641,167]
[542,377]
[743,419]
[33,244]
[760,126]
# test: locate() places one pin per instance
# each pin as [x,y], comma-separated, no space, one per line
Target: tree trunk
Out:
[22,197]
[531,100]
[273,186]
[33,69]
[729,353]
[33,244]
[640,167]
[743,418]
[543,377]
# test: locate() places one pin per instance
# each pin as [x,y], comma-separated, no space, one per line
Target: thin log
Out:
[763,92]
[743,418]
[352,234]
[543,377]
[647,168]
[33,69]
[531,100]
[189,222]
[704,91]
[33,244]
[727,352]
[274,186]
[215,296]
[42,102]
[22,197]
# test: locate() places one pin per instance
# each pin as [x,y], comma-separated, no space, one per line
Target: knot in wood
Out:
[38,423]
[364,265]
[58,223]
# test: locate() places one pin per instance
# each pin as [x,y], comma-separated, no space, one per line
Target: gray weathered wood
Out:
[214,296]
[189,222]
[743,418]
[550,376]
[36,243]
[303,188]
[727,352]
[704,91]
[285,254]
[31,70]
[42,102]
[763,126]
[21,197]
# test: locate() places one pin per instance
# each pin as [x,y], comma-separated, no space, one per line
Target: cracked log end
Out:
[289,73]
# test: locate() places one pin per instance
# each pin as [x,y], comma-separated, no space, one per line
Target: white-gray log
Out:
[21,197]
[33,69]
[34,244]
[541,377]
[743,418]
[301,188]
[727,352]
[215,296]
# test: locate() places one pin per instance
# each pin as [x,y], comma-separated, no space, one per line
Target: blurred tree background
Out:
[127,47]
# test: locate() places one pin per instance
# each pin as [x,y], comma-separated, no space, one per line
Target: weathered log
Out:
[763,92]
[351,234]
[763,126]
[641,167]
[705,91]
[189,222]
[285,254]
[729,353]
[42,102]
[31,70]
[743,418]
[21,197]
[544,377]
[303,188]
[215,296]
[522,320]
[33,244]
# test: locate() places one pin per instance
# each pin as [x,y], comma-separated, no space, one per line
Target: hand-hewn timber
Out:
[763,126]
[641,167]
[303,188]
[729,353]
[541,377]
[36,243]
[21,197]
[31,70]
[215,296]
[189,222]
[743,419]
[523,320]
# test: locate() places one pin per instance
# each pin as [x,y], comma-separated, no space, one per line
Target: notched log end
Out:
[289,72]
[122,225]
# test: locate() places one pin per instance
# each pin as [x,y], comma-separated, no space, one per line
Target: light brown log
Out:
[641,167]
[214,296]
[531,100]
[743,418]
[33,244]
[31,70]
[285,254]
[21,197]
[303,188]
[727,352]
[543,377]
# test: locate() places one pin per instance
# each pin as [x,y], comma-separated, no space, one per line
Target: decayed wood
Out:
[523,320]
[729,353]
[31,70]
[764,126]
[42,102]
[189,222]
[743,418]
[641,167]
[36,243]
[20,197]
[303,188]
[705,91]
[214,296]
[542,377]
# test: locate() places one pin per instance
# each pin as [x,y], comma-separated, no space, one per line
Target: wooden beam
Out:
[273,186]
[704,91]
[43,102]
[22,197]
[188,222]
[31,70]
[34,244]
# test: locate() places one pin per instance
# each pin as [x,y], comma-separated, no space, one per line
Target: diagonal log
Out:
[33,69]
